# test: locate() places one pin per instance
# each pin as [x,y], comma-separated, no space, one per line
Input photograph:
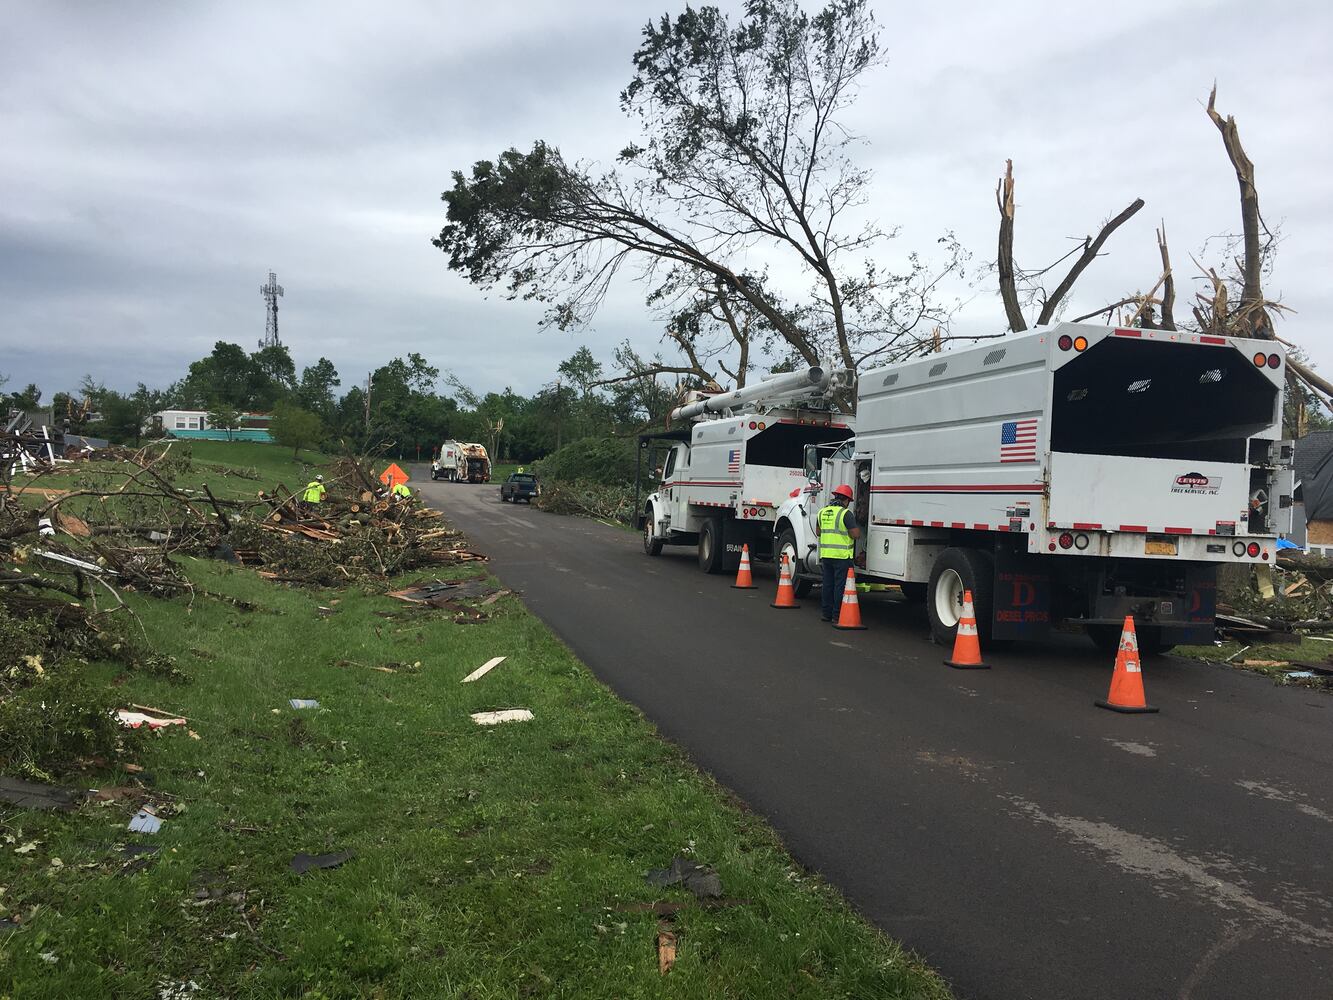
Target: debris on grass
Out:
[303,703]
[502,715]
[133,720]
[32,795]
[484,669]
[699,879]
[303,862]
[666,947]
[145,821]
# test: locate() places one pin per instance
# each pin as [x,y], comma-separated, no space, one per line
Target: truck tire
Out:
[787,543]
[651,546]
[956,570]
[1107,639]
[710,546]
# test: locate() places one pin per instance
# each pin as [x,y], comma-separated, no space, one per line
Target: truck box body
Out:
[1101,471]
[1143,433]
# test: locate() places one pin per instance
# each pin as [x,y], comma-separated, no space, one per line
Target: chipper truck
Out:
[1074,473]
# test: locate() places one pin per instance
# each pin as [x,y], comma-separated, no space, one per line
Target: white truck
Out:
[1074,473]
[445,464]
[723,477]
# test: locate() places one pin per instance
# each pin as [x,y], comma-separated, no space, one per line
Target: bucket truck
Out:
[723,475]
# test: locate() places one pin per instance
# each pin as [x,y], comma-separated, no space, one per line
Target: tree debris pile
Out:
[586,499]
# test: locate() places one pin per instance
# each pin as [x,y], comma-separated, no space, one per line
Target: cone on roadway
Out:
[966,643]
[744,581]
[850,615]
[1126,694]
[786,598]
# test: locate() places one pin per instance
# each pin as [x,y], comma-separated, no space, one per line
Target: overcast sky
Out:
[158,159]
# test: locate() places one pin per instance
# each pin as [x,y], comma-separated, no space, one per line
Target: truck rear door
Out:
[1157,435]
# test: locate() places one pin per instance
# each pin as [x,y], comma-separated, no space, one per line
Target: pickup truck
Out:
[520,486]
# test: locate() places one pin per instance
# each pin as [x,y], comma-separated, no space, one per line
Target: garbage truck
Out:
[737,456]
[1071,474]
[446,463]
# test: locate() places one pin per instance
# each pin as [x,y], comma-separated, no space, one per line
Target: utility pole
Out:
[271,291]
[369,378]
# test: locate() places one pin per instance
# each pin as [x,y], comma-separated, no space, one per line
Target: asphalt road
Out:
[1024,842]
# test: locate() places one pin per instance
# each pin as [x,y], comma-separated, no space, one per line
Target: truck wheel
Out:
[955,571]
[787,546]
[913,593]
[710,546]
[1107,639]
[652,546]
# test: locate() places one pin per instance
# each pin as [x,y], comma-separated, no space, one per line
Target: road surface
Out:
[1024,842]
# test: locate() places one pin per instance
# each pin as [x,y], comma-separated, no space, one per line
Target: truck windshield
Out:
[1148,399]
[783,445]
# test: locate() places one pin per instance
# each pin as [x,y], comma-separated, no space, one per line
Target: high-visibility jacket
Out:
[401,490]
[314,492]
[834,541]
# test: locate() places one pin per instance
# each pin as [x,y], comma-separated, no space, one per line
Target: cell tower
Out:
[271,291]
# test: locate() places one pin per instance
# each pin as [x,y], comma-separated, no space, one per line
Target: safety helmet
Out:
[843,491]
[319,479]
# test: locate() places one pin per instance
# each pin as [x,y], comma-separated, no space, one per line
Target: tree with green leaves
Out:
[224,417]
[295,428]
[315,391]
[744,150]
[124,417]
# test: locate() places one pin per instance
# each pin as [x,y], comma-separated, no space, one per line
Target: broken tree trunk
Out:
[1252,297]
[1168,318]
[1004,198]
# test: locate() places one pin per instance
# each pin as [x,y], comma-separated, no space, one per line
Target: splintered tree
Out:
[1019,287]
[743,157]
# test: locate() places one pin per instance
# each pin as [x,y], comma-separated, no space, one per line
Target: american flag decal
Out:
[734,460]
[1018,440]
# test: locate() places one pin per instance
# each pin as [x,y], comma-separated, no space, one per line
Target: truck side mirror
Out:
[811,463]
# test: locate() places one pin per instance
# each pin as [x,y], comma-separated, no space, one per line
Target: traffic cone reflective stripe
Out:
[966,643]
[744,581]
[850,615]
[786,598]
[1126,694]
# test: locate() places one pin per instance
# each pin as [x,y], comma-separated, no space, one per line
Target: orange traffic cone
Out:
[744,581]
[786,598]
[1126,693]
[966,645]
[850,615]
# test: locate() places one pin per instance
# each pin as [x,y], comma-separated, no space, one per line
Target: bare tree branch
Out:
[1091,248]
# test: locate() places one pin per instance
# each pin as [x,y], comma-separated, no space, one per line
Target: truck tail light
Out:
[1080,344]
[1080,542]
[1260,359]
[1274,361]
[1065,342]
[1238,549]
[1066,540]
[1252,549]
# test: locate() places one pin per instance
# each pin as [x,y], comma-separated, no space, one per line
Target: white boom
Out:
[788,386]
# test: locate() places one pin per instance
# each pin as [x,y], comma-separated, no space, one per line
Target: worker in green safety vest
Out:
[400,492]
[314,492]
[837,530]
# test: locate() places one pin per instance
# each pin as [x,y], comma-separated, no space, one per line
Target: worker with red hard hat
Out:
[837,530]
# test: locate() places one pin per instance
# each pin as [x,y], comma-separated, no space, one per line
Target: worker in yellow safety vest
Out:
[400,492]
[837,530]
[314,492]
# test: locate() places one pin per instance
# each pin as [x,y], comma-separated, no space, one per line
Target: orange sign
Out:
[393,475]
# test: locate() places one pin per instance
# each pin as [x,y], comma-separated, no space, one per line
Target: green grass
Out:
[489,862]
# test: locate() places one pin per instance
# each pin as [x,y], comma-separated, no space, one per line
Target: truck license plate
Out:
[1159,547]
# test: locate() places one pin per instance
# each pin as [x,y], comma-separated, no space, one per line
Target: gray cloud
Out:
[159,159]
